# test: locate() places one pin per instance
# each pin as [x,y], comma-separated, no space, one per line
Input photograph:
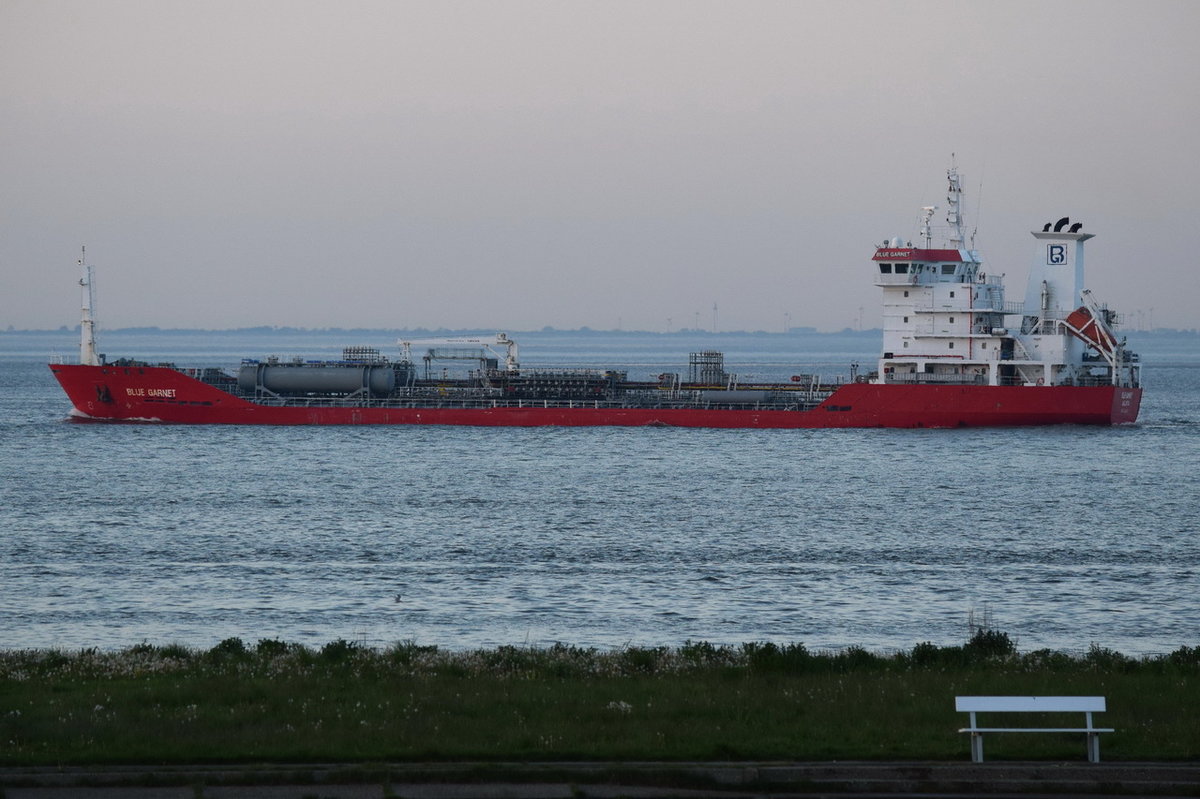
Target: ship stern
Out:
[1126,404]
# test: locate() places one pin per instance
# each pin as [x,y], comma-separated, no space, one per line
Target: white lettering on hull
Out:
[160,393]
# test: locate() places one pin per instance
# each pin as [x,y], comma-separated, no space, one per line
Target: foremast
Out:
[87,322]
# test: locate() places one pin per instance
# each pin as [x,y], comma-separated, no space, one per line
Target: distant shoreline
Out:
[872,333]
[580,331]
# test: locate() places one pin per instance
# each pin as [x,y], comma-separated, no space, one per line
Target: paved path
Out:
[602,780]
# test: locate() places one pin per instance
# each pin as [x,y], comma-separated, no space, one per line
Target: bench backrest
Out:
[1029,704]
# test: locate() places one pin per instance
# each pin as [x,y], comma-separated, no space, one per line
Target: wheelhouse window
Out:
[885,269]
[948,269]
[901,269]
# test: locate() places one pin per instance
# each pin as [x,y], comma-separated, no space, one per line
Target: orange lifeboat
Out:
[1086,327]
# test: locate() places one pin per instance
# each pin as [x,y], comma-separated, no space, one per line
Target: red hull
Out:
[158,394]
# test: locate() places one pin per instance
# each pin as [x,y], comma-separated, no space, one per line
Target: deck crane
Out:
[464,349]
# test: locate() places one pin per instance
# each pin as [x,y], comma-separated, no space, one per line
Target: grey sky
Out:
[514,164]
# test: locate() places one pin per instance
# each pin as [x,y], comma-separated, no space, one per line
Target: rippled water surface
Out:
[464,537]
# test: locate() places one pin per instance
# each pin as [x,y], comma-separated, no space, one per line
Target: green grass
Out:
[283,702]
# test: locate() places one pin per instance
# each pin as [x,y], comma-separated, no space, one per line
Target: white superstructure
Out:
[946,321]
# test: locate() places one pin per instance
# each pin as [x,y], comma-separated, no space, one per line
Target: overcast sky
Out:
[511,165]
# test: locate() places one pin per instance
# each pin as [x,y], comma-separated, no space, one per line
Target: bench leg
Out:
[1093,747]
[976,747]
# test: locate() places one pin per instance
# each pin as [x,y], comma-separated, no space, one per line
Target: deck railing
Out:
[793,404]
[916,378]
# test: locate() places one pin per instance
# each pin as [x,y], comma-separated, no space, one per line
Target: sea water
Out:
[1064,537]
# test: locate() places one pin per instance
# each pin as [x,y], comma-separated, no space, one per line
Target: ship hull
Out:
[164,395]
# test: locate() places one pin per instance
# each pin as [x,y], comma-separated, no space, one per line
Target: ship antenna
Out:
[87,323]
[927,213]
[978,208]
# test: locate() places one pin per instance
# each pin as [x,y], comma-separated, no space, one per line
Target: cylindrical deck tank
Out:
[316,378]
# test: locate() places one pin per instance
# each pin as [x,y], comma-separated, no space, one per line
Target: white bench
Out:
[1031,704]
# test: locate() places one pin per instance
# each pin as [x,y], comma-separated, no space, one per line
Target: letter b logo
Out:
[1056,254]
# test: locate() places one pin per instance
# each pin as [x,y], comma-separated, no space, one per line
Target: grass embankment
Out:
[284,702]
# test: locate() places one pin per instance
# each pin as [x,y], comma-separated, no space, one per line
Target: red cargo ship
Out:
[955,354]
